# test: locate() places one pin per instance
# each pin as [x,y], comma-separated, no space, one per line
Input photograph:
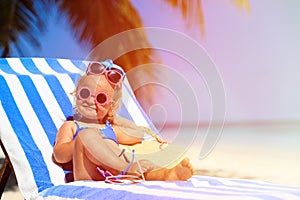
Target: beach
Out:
[268,152]
[262,152]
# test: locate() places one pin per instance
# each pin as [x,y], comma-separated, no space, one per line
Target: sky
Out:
[256,53]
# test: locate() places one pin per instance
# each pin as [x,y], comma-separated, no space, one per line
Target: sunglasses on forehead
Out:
[113,73]
[100,98]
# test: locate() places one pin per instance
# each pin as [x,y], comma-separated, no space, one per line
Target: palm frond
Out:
[191,11]
[20,18]
[242,4]
[95,21]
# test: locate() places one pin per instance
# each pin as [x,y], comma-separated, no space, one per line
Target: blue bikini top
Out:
[107,131]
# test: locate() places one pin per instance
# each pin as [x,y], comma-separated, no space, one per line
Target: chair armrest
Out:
[5,171]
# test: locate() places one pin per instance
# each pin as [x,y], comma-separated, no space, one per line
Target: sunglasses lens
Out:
[84,93]
[96,68]
[101,98]
[114,76]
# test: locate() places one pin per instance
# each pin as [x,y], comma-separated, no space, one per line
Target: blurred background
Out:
[255,46]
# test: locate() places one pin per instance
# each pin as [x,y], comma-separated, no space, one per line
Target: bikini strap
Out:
[78,129]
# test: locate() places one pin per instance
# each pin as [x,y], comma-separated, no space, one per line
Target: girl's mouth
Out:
[90,107]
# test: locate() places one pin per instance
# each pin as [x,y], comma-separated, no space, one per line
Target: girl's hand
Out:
[161,141]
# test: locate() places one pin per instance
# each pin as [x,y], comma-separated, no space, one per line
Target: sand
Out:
[269,153]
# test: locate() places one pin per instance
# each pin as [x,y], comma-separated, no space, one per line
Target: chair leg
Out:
[4,175]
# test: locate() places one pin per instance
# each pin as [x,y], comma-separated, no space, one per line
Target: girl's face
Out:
[89,106]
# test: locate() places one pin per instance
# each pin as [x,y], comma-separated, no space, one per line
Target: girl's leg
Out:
[92,151]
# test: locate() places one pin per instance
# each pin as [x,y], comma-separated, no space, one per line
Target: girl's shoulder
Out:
[69,122]
[69,125]
[66,131]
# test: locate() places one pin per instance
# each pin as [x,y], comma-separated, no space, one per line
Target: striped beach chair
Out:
[35,100]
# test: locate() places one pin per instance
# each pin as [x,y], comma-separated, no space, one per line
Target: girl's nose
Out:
[91,100]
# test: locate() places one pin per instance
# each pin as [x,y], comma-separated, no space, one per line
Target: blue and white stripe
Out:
[198,187]
[35,100]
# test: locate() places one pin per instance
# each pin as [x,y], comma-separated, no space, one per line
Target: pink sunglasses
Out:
[100,98]
[113,74]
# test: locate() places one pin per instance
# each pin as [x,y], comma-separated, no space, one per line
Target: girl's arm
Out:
[127,132]
[64,145]
[128,136]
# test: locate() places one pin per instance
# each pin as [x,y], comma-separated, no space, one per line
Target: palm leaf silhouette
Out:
[95,21]
[191,11]
[20,22]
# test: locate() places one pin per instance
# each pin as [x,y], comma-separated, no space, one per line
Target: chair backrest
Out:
[35,100]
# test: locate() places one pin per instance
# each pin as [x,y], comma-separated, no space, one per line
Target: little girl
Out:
[91,139]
